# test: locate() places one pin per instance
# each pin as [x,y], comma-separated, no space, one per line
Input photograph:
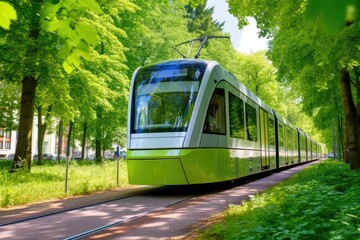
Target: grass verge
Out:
[48,181]
[320,202]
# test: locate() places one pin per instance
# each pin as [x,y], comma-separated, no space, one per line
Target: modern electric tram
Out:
[190,121]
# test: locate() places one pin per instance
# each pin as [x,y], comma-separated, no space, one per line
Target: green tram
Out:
[192,122]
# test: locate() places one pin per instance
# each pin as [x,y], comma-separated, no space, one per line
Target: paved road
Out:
[181,220]
[173,222]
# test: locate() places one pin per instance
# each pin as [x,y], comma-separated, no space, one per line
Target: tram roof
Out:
[177,62]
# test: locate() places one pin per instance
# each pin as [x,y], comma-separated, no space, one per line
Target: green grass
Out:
[320,202]
[48,181]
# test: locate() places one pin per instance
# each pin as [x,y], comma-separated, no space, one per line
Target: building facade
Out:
[7,142]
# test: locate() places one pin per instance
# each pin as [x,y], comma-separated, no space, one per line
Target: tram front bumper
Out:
[156,172]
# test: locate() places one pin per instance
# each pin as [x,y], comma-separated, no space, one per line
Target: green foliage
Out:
[321,202]
[310,42]
[201,21]
[69,33]
[259,75]
[76,35]
[7,13]
[101,43]
[151,31]
[47,181]
[9,101]
[332,14]
[6,198]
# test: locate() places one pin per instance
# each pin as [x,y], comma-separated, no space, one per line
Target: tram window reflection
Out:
[271,132]
[236,107]
[281,136]
[251,123]
[215,117]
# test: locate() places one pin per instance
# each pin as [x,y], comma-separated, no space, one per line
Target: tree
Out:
[109,113]
[305,51]
[151,31]
[62,26]
[254,70]
[259,75]
[24,71]
[52,98]
[201,20]
[9,105]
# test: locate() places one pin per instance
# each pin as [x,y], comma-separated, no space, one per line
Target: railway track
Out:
[164,213]
[81,221]
[8,217]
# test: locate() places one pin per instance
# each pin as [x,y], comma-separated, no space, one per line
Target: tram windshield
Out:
[164,97]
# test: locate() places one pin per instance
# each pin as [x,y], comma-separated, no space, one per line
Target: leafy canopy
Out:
[7,13]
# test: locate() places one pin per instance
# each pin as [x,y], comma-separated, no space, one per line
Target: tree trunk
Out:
[22,158]
[346,150]
[41,135]
[338,139]
[97,149]
[42,126]
[340,132]
[356,163]
[68,142]
[60,140]
[352,121]
[83,144]
[98,137]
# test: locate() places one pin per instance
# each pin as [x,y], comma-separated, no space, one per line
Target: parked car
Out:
[109,156]
[45,156]
[123,154]
[76,155]
[61,157]
[331,155]
[10,156]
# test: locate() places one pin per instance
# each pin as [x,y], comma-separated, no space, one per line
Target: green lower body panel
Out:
[187,166]
[208,166]
[156,171]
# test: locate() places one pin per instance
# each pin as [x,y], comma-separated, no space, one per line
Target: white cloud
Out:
[245,40]
[249,40]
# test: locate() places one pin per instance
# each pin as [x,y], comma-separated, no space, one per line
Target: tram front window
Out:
[164,98]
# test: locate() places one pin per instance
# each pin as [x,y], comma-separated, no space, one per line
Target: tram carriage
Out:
[302,146]
[191,121]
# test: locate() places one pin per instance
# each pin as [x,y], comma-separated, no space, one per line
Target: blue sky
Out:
[245,40]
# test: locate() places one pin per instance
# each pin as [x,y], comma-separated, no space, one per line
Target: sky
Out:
[245,40]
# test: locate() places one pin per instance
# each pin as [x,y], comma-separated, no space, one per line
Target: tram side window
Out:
[215,117]
[303,146]
[281,135]
[289,139]
[271,132]
[251,123]
[237,128]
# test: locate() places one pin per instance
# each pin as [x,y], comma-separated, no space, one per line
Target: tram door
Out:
[264,140]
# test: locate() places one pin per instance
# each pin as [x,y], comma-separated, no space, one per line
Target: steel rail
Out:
[51,213]
[105,227]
